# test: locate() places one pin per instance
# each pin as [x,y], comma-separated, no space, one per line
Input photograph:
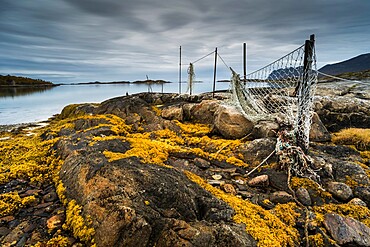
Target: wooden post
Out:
[180,72]
[214,74]
[245,61]
[304,94]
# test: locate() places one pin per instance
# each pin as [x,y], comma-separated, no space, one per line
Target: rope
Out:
[203,57]
[339,78]
[227,66]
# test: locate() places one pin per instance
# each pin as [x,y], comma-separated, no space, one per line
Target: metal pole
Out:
[214,74]
[180,72]
[245,61]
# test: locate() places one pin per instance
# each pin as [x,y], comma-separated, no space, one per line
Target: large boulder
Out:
[231,123]
[203,112]
[137,204]
[347,231]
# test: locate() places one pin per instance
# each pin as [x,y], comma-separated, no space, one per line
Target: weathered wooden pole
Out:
[180,72]
[245,61]
[304,95]
[214,74]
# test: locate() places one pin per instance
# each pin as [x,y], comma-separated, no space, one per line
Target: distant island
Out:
[123,82]
[19,81]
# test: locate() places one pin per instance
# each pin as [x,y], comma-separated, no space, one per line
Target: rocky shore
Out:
[176,170]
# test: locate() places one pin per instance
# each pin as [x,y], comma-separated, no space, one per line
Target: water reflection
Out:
[21,91]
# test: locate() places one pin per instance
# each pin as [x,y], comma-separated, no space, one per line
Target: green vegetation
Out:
[11,81]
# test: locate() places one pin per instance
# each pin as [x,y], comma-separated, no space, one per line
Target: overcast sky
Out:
[106,40]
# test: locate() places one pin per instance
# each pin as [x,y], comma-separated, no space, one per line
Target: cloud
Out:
[88,40]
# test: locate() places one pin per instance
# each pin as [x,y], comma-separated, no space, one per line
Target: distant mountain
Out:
[18,81]
[285,73]
[356,64]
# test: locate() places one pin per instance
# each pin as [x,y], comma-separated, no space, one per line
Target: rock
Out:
[259,181]
[201,163]
[303,196]
[338,112]
[363,193]
[231,123]
[217,177]
[281,197]
[120,189]
[265,129]
[50,197]
[339,190]
[216,182]
[4,231]
[16,234]
[173,113]
[346,230]
[318,131]
[229,188]
[358,202]
[344,171]
[254,152]
[55,221]
[245,194]
[204,112]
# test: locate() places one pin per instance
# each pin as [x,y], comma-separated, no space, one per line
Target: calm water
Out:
[24,106]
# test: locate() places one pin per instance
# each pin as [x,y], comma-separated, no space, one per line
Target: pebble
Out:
[216,177]
[303,196]
[259,181]
[281,197]
[216,182]
[358,202]
[201,163]
[4,231]
[229,188]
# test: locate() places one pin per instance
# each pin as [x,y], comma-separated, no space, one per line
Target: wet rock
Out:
[173,113]
[281,197]
[259,181]
[201,163]
[229,188]
[358,202]
[303,196]
[339,190]
[231,123]
[347,231]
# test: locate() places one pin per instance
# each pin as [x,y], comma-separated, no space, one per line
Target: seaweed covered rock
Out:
[136,204]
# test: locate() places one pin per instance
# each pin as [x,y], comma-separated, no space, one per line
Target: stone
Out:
[217,177]
[245,194]
[281,197]
[259,181]
[339,190]
[173,113]
[303,196]
[50,197]
[343,171]
[216,182]
[254,152]
[16,234]
[318,131]
[55,221]
[231,123]
[201,163]
[363,193]
[264,129]
[4,231]
[358,202]
[229,188]
[204,112]
[347,231]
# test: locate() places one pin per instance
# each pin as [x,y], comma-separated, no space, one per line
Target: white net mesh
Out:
[285,87]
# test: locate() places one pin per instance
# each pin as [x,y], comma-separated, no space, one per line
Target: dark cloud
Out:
[88,40]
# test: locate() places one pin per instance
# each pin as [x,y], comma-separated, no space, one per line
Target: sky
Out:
[67,41]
